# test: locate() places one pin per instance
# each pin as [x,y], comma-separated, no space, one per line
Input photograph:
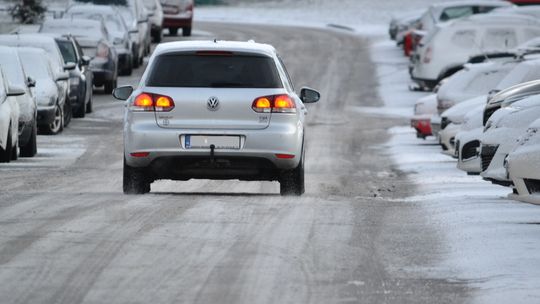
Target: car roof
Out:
[216,45]
[33,50]
[469,2]
[7,49]
[67,21]
[92,8]
[500,19]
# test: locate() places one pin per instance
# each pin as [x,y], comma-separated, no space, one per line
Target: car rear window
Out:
[191,70]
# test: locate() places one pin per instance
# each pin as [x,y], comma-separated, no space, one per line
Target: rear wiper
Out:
[229,85]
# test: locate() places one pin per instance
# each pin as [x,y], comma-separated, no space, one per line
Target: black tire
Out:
[135,181]
[291,183]
[6,155]
[79,112]
[158,37]
[58,123]
[68,112]
[186,31]
[89,105]
[30,149]
[173,31]
[14,152]
[110,86]
[136,63]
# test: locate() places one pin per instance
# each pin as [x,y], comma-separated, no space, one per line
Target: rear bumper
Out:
[177,21]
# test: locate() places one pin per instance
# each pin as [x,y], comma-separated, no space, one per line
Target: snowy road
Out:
[68,234]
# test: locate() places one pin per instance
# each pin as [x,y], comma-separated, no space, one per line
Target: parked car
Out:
[510,95]
[400,25]
[178,14]
[424,108]
[444,51]
[501,134]
[62,108]
[94,40]
[221,86]
[15,75]
[523,165]
[137,21]
[9,119]
[155,15]
[468,141]
[37,65]
[116,27]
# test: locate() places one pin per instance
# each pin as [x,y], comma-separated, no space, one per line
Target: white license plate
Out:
[205,141]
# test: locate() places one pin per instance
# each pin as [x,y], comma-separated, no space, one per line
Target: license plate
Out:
[205,141]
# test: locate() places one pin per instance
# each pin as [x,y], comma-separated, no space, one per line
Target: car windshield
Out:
[79,30]
[12,69]
[67,50]
[34,65]
[189,70]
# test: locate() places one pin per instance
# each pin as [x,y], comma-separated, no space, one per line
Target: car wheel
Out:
[135,181]
[5,155]
[186,31]
[30,149]
[89,105]
[68,112]
[292,182]
[129,69]
[136,60]
[57,125]
[173,31]
[158,37]
[79,112]
[109,86]
[14,151]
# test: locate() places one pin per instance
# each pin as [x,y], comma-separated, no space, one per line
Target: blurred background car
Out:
[155,14]
[15,75]
[9,120]
[178,14]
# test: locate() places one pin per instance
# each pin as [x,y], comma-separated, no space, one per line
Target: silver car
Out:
[214,110]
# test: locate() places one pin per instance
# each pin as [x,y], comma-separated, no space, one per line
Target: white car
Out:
[28,124]
[445,49]
[9,119]
[155,14]
[468,141]
[501,134]
[451,122]
[215,110]
[523,165]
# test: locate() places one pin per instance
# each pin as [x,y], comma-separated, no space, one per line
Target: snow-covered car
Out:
[28,124]
[178,14]
[445,49]
[136,18]
[399,25]
[523,165]
[446,11]
[116,27]
[192,95]
[528,10]
[501,134]
[424,108]
[9,119]
[47,43]
[37,65]
[155,11]
[452,119]
[468,141]
[508,96]
[94,40]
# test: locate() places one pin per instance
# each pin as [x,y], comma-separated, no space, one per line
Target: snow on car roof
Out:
[466,2]
[215,45]
[90,8]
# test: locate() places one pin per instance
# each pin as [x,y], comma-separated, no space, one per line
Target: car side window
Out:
[456,12]
[289,82]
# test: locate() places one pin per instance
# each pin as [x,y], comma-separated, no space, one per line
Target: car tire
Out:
[79,112]
[89,105]
[186,31]
[68,112]
[291,182]
[136,61]
[158,37]
[30,149]
[7,154]
[134,181]
[110,86]
[173,31]
[14,151]
[57,125]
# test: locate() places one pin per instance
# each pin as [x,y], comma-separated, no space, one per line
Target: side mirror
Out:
[309,95]
[85,60]
[31,82]
[122,93]
[14,90]
[62,76]
[134,31]
[70,66]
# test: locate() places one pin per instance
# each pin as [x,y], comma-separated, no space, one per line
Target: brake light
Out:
[285,156]
[152,103]
[140,154]
[274,104]
[102,50]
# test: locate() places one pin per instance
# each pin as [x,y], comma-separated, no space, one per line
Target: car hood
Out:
[457,113]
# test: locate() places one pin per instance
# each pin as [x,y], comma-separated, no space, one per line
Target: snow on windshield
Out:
[34,65]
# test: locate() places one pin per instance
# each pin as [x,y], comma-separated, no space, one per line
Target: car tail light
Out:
[274,104]
[147,102]
[285,156]
[140,154]
[427,55]
[102,50]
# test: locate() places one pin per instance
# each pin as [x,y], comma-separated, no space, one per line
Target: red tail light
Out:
[140,154]
[102,50]
[152,103]
[274,104]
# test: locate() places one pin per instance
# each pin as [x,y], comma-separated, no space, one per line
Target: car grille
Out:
[487,153]
[488,112]
[533,185]
[470,149]
[444,122]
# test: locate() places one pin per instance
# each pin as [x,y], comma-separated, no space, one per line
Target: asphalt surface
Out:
[69,235]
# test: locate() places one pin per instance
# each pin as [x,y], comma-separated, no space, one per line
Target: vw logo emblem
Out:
[212,104]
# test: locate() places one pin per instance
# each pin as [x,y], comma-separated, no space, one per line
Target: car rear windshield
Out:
[203,71]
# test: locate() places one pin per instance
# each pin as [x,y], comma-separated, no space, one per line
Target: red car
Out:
[525,2]
[178,14]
